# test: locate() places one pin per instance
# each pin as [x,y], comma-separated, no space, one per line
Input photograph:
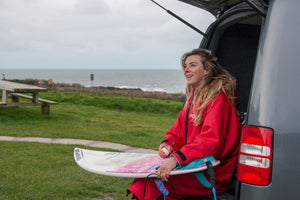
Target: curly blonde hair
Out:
[218,80]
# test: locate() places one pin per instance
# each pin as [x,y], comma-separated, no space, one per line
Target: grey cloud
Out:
[77,33]
[91,7]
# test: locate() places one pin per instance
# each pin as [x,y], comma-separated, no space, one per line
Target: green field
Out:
[47,171]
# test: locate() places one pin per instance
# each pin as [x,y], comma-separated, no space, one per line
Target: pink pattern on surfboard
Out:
[145,165]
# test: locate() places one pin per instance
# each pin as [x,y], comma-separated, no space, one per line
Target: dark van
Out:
[258,42]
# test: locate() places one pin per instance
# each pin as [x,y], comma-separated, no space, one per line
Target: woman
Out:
[207,125]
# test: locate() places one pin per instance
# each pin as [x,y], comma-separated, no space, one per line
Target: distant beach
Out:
[168,81]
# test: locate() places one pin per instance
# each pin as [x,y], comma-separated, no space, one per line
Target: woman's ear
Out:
[206,72]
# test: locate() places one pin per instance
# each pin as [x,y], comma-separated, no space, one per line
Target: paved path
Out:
[90,143]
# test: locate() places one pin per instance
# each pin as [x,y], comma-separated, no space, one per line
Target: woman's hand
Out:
[164,150]
[164,170]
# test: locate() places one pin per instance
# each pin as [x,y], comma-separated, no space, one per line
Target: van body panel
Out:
[275,86]
[275,99]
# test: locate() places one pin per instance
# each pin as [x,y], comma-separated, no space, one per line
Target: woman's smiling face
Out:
[194,71]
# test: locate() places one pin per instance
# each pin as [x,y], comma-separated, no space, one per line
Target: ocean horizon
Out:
[160,80]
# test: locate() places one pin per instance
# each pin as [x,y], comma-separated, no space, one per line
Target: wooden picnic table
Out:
[11,92]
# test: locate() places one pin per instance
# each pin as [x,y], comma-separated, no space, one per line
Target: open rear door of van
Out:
[218,7]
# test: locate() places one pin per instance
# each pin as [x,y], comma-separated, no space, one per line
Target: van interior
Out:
[235,44]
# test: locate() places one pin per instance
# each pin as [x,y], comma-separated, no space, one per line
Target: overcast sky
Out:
[96,34]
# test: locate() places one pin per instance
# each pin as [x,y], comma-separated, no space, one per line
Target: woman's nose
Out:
[186,68]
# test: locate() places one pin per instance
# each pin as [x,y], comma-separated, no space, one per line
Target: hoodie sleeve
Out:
[174,135]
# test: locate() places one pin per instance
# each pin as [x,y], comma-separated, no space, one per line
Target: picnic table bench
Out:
[12,92]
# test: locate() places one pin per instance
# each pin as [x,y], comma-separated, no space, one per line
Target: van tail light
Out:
[255,159]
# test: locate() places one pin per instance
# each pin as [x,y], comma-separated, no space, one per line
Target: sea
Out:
[163,80]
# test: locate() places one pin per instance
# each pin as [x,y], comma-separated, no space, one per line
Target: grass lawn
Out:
[48,171]
[88,118]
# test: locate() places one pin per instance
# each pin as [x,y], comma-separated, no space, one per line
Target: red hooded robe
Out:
[218,135]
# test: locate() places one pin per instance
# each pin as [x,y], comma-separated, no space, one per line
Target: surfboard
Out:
[131,165]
